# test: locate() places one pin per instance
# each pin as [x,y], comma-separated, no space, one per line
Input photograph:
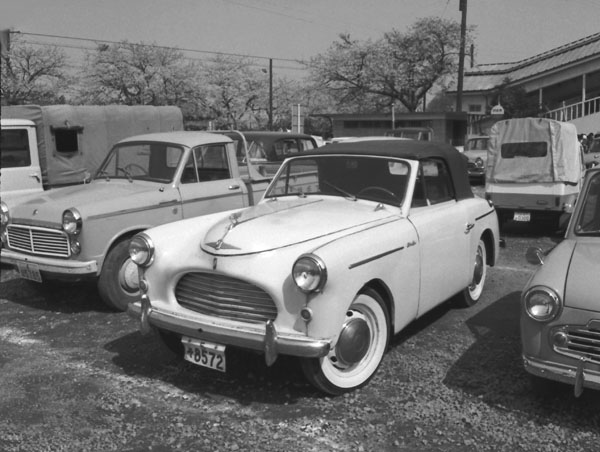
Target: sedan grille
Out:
[39,241]
[582,341]
[224,297]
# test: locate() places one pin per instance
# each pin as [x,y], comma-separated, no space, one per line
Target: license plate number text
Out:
[205,354]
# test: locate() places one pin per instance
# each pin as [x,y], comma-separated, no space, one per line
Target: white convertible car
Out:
[350,244]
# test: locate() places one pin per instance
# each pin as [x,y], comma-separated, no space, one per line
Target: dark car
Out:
[268,149]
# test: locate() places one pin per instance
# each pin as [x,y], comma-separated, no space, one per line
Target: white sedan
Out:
[349,245]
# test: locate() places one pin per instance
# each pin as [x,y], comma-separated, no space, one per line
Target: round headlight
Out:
[141,250]
[4,215]
[71,221]
[541,303]
[309,273]
[479,162]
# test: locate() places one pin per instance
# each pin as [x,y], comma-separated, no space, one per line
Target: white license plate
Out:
[29,271]
[522,216]
[205,354]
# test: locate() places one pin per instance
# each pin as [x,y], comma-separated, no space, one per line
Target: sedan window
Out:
[589,218]
[433,184]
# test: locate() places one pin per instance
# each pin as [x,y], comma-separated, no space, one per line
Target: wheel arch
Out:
[490,249]
[385,293]
[123,235]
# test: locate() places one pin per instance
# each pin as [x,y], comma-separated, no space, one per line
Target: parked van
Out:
[534,169]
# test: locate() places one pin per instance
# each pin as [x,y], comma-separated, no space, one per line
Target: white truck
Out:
[534,169]
[58,145]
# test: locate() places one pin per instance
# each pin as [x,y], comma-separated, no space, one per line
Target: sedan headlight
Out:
[541,303]
[141,250]
[309,273]
[4,215]
[71,221]
[479,162]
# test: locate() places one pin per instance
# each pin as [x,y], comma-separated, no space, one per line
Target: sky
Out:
[288,30]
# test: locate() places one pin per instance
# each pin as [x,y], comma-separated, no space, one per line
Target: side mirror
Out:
[535,255]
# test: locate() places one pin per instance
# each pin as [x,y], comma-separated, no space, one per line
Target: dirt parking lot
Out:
[77,377]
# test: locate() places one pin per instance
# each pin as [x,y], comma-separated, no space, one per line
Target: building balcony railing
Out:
[574,111]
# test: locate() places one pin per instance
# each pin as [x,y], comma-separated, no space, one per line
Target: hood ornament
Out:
[233,218]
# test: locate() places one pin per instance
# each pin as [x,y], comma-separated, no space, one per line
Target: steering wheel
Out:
[142,170]
[379,189]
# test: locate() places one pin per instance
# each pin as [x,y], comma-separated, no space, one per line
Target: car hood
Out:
[583,284]
[276,224]
[49,206]
[474,154]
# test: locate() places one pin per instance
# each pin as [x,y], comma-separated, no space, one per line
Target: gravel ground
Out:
[77,377]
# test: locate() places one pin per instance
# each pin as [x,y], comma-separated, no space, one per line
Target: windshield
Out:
[588,222]
[154,162]
[477,144]
[372,178]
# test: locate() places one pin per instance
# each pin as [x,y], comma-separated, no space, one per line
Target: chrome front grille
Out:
[581,341]
[224,297]
[39,241]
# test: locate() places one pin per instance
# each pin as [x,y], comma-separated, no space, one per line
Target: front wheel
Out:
[471,294]
[119,281]
[359,350]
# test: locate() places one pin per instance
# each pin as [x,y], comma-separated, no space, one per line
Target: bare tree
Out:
[33,74]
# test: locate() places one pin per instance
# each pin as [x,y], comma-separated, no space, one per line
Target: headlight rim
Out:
[4,213]
[149,245]
[552,294]
[76,220]
[320,264]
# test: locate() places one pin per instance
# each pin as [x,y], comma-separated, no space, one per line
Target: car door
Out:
[207,184]
[441,224]
[21,173]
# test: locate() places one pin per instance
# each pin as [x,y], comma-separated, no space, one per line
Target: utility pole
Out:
[461,56]
[270,93]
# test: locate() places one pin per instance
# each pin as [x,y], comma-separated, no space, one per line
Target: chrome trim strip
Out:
[370,259]
[485,215]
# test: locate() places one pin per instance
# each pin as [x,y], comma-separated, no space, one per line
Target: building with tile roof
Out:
[565,81]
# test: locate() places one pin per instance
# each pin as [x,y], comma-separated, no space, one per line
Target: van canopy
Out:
[73,140]
[533,150]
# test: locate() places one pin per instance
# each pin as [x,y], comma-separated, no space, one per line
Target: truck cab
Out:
[19,160]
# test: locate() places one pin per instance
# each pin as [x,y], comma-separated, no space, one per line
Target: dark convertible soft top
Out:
[408,149]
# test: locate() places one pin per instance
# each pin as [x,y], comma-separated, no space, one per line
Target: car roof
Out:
[407,149]
[183,137]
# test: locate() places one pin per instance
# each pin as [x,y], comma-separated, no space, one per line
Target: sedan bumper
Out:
[580,376]
[50,265]
[260,338]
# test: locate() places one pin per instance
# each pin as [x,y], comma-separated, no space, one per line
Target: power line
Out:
[259,65]
[104,41]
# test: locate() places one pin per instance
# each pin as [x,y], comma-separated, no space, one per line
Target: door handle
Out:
[35,176]
[234,187]
[469,227]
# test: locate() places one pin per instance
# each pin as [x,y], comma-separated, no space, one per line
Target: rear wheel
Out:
[357,355]
[119,281]
[471,294]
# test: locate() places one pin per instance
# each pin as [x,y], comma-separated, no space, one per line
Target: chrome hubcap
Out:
[478,270]
[354,340]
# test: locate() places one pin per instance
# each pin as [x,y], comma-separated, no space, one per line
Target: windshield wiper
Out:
[347,195]
[102,172]
[127,173]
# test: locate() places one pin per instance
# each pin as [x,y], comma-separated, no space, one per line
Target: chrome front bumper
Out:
[579,376]
[256,337]
[50,265]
